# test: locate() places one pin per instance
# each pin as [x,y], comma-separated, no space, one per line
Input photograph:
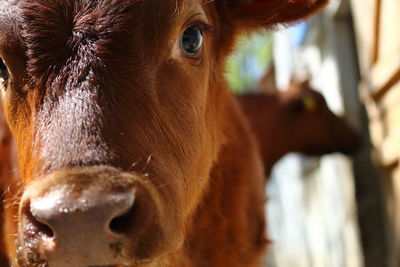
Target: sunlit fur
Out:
[9,192]
[102,83]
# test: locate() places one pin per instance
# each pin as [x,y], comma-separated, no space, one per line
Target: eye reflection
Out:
[191,40]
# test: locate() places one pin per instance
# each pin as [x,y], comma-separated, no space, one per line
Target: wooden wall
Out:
[377,31]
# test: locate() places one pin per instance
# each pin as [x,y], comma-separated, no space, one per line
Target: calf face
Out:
[316,130]
[121,118]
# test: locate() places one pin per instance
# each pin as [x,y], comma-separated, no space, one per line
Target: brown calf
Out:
[296,120]
[131,149]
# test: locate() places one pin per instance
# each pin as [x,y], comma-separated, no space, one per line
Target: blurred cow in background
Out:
[296,120]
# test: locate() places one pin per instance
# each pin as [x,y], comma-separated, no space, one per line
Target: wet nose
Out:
[88,225]
[56,213]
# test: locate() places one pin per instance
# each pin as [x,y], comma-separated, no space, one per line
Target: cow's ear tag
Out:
[309,103]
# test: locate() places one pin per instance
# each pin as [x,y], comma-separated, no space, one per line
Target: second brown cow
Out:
[296,120]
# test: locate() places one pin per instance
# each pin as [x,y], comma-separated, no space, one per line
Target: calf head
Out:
[296,120]
[117,108]
[314,128]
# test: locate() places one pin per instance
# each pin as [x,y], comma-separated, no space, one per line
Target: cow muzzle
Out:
[89,217]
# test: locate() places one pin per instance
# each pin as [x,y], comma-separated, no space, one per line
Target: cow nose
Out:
[92,216]
[57,214]
[90,224]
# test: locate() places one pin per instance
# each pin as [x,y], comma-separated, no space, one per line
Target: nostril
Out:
[41,227]
[124,222]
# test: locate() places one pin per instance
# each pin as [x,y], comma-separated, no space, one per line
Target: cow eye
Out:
[3,73]
[191,41]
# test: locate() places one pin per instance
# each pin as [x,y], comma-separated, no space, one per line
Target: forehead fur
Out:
[55,30]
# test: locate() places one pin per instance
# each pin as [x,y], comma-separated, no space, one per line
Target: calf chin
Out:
[92,217]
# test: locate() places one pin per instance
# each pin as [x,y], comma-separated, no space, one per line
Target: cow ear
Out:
[266,13]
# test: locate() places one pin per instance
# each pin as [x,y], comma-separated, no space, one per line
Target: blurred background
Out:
[335,210]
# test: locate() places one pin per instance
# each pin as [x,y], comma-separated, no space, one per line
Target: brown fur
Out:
[99,83]
[9,177]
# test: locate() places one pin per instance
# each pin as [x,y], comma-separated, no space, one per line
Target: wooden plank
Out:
[385,74]
[377,31]
[384,118]
[385,126]
[389,42]
[377,133]
[392,98]
[392,123]
[364,13]
[389,151]
[376,128]
[386,71]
